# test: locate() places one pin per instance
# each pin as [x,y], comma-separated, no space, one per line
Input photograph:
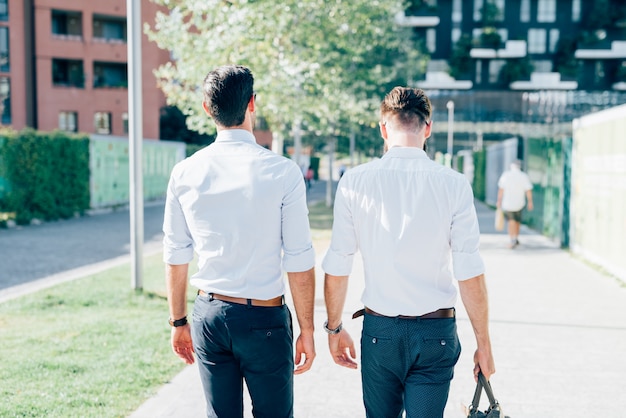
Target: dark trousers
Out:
[235,342]
[407,364]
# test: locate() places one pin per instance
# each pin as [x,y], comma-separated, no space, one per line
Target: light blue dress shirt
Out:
[415,225]
[242,209]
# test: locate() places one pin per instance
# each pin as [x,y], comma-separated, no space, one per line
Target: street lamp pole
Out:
[450,150]
[135,146]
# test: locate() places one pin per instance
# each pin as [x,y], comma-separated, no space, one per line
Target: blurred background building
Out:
[519,67]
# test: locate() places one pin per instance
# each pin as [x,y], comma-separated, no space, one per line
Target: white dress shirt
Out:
[242,209]
[514,184]
[415,224]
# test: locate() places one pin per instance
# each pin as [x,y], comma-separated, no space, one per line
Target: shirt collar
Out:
[405,152]
[235,135]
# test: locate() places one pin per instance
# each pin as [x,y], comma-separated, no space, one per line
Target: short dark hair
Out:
[227,92]
[409,106]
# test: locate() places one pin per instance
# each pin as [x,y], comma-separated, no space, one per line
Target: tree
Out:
[173,127]
[460,61]
[327,63]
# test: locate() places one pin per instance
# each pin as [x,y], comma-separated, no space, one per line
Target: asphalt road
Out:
[29,253]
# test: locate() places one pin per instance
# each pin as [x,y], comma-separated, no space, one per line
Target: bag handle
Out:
[487,386]
[483,383]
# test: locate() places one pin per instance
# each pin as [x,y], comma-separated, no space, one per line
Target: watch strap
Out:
[333,331]
[178,322]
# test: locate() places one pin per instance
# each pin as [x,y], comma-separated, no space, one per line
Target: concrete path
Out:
[558,330]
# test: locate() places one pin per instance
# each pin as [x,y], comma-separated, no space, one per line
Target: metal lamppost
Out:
[135,137]
[450,150]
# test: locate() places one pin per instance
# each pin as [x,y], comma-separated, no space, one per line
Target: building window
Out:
[599,72]
[494,70]
[480,4]
[67,23]
[5,100]
[524,12]
[546,11]
[4,10]
[68,121]
[4,50]
[109,28]
[125,123]
[457,11]
[554,39]
[536,41]
[479,71]
[102,122]
[67,73]
[542,66]
[110,74]
[431,40]
[456,35]
[575,10]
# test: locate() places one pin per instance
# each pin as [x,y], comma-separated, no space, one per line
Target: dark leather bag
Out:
[494,410]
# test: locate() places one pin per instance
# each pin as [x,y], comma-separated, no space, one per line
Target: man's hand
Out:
[342,349]
[181,343]
[305,347]
[483,361]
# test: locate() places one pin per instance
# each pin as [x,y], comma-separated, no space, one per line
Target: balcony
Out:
[512,49]
[403,20]
[440,80]
[544,81]
[617,51]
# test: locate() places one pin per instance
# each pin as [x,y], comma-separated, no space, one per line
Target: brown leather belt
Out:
[438,314]
[277,301]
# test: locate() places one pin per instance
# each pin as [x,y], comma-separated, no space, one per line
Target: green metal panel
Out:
[110,169]
[544,165]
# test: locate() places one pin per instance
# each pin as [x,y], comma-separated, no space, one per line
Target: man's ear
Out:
[206,108]
[383,130]
[428,130]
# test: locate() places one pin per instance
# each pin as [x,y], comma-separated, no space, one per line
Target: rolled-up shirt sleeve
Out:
[298,252]
[177,240]
[465,238]
[340,256]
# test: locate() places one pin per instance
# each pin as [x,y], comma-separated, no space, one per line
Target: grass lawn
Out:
[93,347]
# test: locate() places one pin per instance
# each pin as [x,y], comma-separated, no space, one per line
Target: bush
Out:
[47,174]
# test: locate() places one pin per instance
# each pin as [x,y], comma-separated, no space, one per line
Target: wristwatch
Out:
[333,331]
[178,322]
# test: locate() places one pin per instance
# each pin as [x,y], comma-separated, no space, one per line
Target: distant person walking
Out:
[411,219]
[242,209]
[308,177]
[515,191]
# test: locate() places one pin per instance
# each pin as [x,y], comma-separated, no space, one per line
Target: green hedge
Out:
[46,174]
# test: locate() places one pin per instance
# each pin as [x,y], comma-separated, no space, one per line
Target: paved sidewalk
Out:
[558,330]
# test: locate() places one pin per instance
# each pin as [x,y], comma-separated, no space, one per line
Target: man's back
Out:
[234,195]
[407,211]
[514,184]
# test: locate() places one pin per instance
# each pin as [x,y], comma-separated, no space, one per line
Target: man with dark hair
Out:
[411,219]
[242,209]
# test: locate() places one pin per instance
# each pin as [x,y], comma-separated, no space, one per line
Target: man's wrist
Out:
[333,331]
[178,322]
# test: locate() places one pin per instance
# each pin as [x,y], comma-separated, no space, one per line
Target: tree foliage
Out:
[326,63]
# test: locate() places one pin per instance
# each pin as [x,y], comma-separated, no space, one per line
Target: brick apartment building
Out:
[63,65]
